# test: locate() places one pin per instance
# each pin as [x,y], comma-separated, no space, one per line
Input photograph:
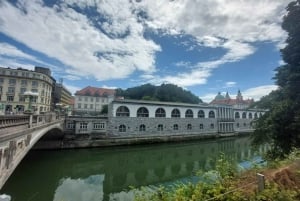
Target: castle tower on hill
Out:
[239,102]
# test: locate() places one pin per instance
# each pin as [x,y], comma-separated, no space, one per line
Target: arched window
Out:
[175,127]
[201,126]
[142,112]
[175,113]
[211,114]
[189,126]
[250,115]
[160,112]
[122,111]
[189,114]
[237,115]
[255,116]
[212,126]
[238,125]
[201,114]
[160,127]
[142,127]
[122,128]
[244,115]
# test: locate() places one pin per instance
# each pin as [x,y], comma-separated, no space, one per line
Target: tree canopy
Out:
[164,92]
[280,126]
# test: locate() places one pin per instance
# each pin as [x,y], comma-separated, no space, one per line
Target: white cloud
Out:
[120,47]
[229,84]
[69,36]
[207,98]
[72,77]
[72,88]
[257,92]
[11,51]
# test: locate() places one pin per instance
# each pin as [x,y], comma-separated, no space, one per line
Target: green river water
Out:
[107,173]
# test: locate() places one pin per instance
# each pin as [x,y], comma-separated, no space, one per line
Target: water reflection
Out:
[90,189]
[103,174]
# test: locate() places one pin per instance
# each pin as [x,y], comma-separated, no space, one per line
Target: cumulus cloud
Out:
[69,36]
[257,92]
[112,44]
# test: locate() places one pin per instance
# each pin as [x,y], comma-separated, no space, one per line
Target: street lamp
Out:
[30,95]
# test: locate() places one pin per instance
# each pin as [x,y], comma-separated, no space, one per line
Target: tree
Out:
[164,92]
[280,126]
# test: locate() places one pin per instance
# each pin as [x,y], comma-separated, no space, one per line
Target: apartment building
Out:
[92,99]
[22,89]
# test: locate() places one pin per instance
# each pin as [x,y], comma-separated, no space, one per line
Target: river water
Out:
[107,173]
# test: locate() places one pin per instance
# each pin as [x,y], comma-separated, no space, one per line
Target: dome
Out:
[219,96]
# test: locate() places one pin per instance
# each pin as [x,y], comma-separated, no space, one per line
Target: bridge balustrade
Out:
[17,135]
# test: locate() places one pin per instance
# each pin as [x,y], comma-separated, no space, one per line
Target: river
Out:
[107,173]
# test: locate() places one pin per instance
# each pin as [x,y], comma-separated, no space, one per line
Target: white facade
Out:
[91,103]
[13,85]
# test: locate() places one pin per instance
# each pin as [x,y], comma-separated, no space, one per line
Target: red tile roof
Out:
[94,91]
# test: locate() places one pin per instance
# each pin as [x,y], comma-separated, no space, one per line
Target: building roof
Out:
[146,102]
[221,100]
[94,91]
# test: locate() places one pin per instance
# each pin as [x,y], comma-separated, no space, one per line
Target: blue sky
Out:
[205,46]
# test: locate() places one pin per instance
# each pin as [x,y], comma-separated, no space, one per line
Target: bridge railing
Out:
[15,123]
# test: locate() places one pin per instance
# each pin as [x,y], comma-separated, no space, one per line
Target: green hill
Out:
[164,92]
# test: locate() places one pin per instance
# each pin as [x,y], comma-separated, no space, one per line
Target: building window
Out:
[97,99]
[24,82]
[11,90]
[122,111]
[83,126]
[201,114]
[175,113]
[12,81]
[237,115]
[34,90]
[175,127]
[34,83]
[70,125]
[91,106]
[245,124]
[237,125]
[160,112]
[160,127]
[244,115]
[22,99]
[98,126]
[79,98]
[189,126]
[142,112]
[1,80]
[255,116]
[250,116]
[79,105]
[85,106]
[201,126]
[92,99]
[122,128]
[22,90]
[212,126]
[10,98]
[85,99]
[189,114]
[211,114]
[142,127]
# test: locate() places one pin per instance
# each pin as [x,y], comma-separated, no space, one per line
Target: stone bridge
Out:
[18,134]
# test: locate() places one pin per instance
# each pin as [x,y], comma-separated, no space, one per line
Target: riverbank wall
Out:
[88,141]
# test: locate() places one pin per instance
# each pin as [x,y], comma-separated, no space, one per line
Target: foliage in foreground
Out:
[221,185]
[281,125]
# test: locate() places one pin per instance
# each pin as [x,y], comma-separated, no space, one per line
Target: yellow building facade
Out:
[22,89]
